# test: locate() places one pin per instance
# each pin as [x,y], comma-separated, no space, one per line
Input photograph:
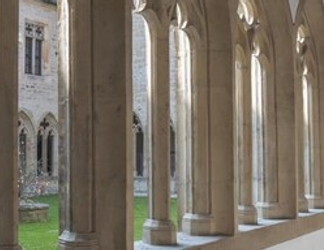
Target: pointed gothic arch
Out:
[47,146]
[26,142]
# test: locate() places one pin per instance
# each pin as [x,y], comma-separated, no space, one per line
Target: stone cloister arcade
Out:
[249,123]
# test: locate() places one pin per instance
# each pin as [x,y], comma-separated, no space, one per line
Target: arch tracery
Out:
[26,142]
[47,146]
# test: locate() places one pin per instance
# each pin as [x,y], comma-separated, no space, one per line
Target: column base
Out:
[198,224]
[269,210]
[161,233]
[247,214]
[315,201]
[70,241]
[303,205]
[10,247]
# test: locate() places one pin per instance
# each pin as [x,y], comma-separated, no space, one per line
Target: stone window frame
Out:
[34,41]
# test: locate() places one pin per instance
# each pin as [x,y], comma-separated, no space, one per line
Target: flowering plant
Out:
[30,183]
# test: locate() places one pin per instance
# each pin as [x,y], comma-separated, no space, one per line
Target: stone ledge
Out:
[33,212]
[266,234]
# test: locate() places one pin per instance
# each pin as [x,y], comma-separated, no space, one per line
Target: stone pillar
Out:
[96,113]
[244,159]
[221,117]
[265,160]
[112,122]
[76,114]
[9,125]
[198,219]
[158,229]
[183,132]
[316,199]
[302,201]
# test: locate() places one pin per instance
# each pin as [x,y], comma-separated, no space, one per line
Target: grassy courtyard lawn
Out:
[43,236]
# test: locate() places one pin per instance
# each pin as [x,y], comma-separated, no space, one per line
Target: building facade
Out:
[38,91]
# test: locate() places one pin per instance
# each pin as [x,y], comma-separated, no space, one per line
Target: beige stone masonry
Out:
[158,228]
[96,125]
[79,229]
[198,219]
[246,208]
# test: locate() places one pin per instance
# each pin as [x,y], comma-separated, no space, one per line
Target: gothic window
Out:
[139,146]
[22,150]
[34,37]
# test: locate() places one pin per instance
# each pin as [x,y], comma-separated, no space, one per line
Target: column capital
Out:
[158,11]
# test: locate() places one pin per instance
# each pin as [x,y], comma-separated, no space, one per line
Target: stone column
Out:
[316,199]
[267,174]
[96,113]
[244,159]
[112,123]
[302,201]
[158,229]
[9,125]
[285,174]
[221,117]
[76,114]
[198,219]
[183,133]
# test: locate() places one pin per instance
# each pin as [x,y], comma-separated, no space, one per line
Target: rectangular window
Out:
[29,55]
[34,35]
[38,57]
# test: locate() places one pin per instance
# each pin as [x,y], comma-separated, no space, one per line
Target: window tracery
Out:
[46,143]
[34,37]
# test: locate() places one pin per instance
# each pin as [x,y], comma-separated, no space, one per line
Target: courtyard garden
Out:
[43,236]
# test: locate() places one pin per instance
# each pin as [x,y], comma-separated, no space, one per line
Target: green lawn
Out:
[43,236]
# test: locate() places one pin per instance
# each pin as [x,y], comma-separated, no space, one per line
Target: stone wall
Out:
[38,95]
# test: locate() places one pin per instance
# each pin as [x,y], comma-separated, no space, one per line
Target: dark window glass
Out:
[29,55]
[172,152]
[139,153]
[23,151]
[39,153]
[38,57]
[50,141]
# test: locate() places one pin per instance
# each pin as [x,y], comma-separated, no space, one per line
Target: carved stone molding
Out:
[139,5]
[247,12]
[191,13]
[163,10]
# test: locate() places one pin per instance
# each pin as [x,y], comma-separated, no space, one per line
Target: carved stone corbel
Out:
[163,10]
